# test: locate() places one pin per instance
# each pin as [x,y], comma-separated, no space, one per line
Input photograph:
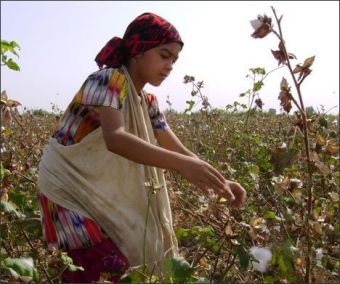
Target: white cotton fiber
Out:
[263,255]
[319,254]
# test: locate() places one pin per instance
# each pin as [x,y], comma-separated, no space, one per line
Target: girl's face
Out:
[154,65]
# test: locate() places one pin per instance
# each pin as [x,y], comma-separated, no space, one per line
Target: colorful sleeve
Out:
[106,87]
[157,117]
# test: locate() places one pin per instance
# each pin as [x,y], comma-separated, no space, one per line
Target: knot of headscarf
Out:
[145,32]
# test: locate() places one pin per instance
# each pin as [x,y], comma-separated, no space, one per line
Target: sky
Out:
[60,39]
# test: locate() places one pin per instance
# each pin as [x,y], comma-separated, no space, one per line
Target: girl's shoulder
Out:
[106,72]
[150,97]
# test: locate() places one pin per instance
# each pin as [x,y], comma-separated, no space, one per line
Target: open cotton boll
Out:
[319,254]
[263,255]
[256,24]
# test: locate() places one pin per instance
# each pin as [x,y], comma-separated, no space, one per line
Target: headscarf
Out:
[145,32]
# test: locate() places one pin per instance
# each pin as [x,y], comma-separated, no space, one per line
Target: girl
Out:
[107,153]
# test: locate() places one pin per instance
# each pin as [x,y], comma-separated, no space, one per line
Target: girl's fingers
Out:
[214,180]
[239,193]
[217,174]
[202,187]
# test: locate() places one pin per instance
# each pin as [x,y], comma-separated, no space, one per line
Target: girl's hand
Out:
[205,177]
[239,193]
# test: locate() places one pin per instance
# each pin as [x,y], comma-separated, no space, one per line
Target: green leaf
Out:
[32,225]
[12,65]
[271,279]
[178,267]
[271,215]
[259,71]
[191,105]
[7,207]
[68,261]
[72,267]
[19,198]
[288,249]
[323,122]
[282,264]
[244,257]
[257,86]
[65,259]
[202,280]
[4,172]
[21,267]
[133,275]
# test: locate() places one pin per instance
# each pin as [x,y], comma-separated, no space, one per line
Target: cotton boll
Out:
[319,254]
[263,255]
[256,24]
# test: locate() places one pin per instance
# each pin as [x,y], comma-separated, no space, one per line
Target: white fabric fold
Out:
[88,179]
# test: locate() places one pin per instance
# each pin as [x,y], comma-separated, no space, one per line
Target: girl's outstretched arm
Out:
[169,140]
[135,149]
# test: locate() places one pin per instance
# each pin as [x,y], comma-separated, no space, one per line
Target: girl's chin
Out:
[156,84]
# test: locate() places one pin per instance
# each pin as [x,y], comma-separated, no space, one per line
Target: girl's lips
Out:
[163,75]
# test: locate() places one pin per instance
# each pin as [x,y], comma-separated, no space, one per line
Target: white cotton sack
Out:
[263,255]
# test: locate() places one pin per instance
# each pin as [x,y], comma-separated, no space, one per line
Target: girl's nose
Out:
[169,66]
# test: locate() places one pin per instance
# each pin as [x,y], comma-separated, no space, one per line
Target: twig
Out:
[6,249]
[25,177]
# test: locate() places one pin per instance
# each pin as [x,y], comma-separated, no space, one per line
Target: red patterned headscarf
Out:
[145,32]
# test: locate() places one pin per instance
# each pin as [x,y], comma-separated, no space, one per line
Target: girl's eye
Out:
[167,57]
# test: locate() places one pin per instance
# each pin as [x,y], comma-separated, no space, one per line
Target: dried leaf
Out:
[309,62]
[317,228]
[297,69]
[252,233]
[4,96]
[315,214]
[334,196]
[299,220]
[320,140]
[297,194]
[228,230]
[315,156]
[285,95]
[259,103]
[284,185]
[332,147]
[304,69]
[322,169]
[280,55]
[254,222]
[12,103]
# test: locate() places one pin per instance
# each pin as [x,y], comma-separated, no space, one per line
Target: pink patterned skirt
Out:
[85,242]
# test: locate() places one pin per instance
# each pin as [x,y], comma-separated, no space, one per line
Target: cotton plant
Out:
[263,256]
[21,269]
